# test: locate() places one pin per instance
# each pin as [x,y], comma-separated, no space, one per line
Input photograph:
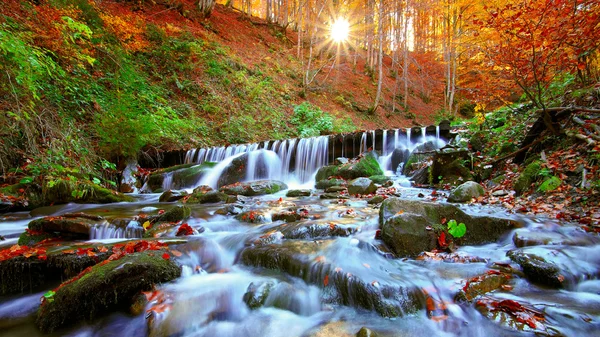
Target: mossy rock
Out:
[537,269]
[527,177]
[30,199]
[253,188]
[550,184]
[380,179]
[27,239]
[171,195]
[327,183]
[326,171]
[465,192]
[105,288]
[405,225]
[205,194]
[64,191]
[181,175]
[365,167]
[77,224]
[20,275]
[298,193]
[174,215]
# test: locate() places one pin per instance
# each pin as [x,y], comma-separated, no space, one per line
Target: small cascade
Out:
[311,154]
[168,181]
[109,231]
[437,133]
[384,143]
[363,143]
[396,138]
[373,137]
[423,135]
[408,143]
[212,177]
[263,164]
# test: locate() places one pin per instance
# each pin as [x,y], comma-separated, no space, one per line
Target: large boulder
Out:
[361,186]
[178,177]
[448,167]
[170,196]
[259,187]
[399,156]
[237,170]
[365,166]
[105,288]
[527,177]
[75,225]
[409,226]
[205,195]
[326,172]
[466,191]
[297,258]
[327,183]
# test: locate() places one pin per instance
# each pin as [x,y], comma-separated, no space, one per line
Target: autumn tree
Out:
[536,40]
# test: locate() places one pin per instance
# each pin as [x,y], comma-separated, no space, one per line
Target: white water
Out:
[296,161]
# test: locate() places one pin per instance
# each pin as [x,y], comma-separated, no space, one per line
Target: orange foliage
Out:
[128,28]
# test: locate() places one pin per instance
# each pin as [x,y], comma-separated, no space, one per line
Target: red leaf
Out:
[166,256]
[442,240]
[326,280]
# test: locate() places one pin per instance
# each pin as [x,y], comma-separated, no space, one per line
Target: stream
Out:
[221,275]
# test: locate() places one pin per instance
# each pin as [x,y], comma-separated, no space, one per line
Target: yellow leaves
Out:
[129,29]
[146,225]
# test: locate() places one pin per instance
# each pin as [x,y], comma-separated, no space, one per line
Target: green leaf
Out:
[96,181]
[26,180]
[456,230]
[49,296]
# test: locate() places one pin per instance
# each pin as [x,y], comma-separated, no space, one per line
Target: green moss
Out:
[175,214]
[27,239]
[325,172]
[550,184]
[112,287]
[379,179]
[527,177]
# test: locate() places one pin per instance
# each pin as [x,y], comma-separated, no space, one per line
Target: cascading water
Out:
[109,231]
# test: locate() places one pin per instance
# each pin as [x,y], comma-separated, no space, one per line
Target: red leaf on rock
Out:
[442,240]
[166,256]
[326,280]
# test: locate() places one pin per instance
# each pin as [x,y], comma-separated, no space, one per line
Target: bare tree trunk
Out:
[205,7]
[379,58]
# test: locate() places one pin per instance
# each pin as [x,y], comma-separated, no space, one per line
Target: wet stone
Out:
[333,196]
[334,189]
[170,196]
[481,285]
[253,188]
[376,200]
[297,259]
[537,269]
[465,192]
[298,193]
[317,230]
[327,183]
[256,295]
[525,238]
[361,186]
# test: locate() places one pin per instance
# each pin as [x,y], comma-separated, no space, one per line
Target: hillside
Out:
[84,80]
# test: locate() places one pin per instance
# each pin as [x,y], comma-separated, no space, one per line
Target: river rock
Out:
[79,224]
[317,230]
[466,192]
[333,196]
[180,176]
[255,217]
[340,160]
[205,194]
[376,200]
[537,269]
[335,189]
[448,166]
[527,177]
[112,286]
[298,193]
[366,332]
[259,187]
[327,183]
[363,167]
[361,186]
[173,215]
[236,171]
[297,258]
[481,285]
[170,196]
[382,180]
[526,238]
[256,294]
[233,209]
[407,226]
[399,156]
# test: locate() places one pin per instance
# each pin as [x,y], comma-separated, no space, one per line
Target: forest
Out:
[299,168]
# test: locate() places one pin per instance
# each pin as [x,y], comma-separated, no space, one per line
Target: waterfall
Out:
[437,133]
[296,160]
[363,142]
[108,231]
[384,143]
[167,181]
